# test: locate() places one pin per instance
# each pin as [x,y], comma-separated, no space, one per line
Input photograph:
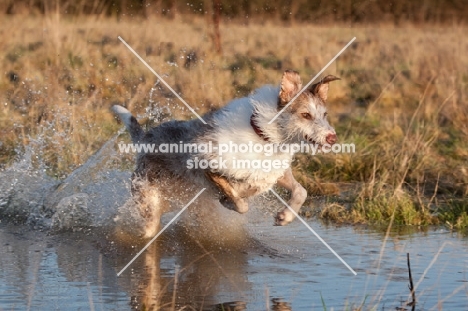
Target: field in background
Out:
[402,100]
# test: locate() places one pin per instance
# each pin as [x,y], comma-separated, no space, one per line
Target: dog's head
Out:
[306,117]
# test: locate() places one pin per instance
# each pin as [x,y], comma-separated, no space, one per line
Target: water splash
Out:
[23,188]
[88,197]
[97,196]
[159,111]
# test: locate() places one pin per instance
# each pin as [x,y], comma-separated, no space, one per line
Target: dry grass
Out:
[402,98]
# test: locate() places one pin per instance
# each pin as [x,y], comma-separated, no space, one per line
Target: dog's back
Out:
[161,163]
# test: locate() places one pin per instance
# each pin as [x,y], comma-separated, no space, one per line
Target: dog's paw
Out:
[283,218]
[240,205]
[280,219]
[227,203]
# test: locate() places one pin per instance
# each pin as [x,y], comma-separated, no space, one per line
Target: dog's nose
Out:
[331,139]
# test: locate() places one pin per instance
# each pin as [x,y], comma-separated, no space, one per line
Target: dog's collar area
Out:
[255,127]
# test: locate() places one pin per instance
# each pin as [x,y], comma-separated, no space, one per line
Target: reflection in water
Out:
[75,270]
[178,272]
[181,271]
[40,271]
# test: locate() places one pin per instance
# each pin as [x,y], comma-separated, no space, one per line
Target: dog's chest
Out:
[240,152]
[242,155]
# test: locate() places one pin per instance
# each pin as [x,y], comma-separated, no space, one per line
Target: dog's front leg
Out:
[240,204]
[298,197]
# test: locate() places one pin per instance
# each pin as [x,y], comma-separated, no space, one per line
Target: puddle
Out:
[280,268]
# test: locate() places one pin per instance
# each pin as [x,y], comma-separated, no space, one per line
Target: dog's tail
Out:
[131,123]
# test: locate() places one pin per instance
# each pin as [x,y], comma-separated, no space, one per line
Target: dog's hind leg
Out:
[151,204]
[298,197]
[240,204]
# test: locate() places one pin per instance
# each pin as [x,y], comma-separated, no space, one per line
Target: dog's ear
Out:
[321,89]
[291,84]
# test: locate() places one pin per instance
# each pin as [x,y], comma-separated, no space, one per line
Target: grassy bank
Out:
[402,100]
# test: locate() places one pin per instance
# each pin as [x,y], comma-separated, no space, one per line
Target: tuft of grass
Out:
[381,209]
[455,215]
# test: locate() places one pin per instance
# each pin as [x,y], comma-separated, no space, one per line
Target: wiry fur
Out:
[304,119]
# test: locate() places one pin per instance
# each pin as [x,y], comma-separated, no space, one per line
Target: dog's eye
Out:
[306,116]
[325,114]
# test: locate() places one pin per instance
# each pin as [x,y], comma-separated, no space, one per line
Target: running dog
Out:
[233,175]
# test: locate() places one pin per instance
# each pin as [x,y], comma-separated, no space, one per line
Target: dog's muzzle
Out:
[331,139]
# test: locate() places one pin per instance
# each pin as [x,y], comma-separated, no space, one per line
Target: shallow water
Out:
[280,267]
[59,251]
